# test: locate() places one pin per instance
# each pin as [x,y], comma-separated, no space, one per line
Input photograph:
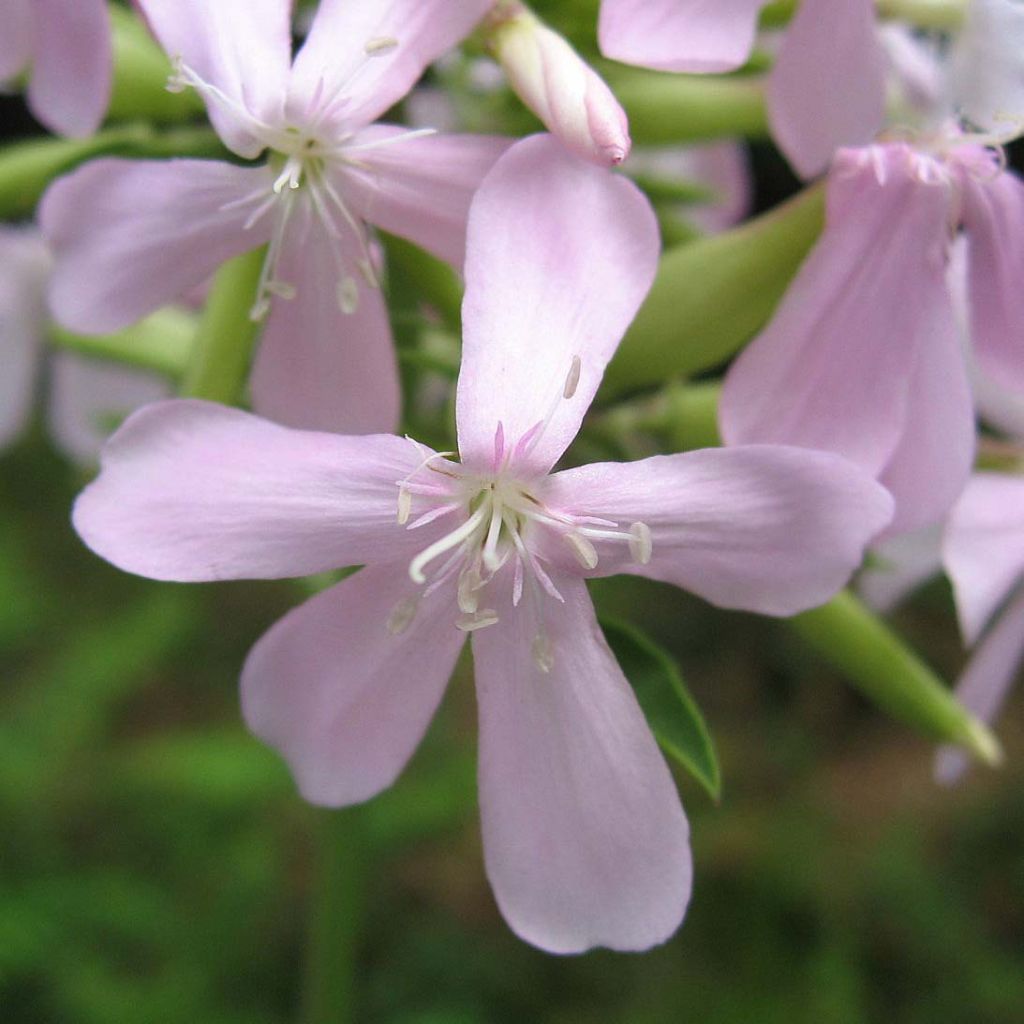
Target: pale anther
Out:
[479,620]
[641,544]
[348,295]
[380,45]
[572,380]
[584,551]
[404,505]
[402,615]
[543,653]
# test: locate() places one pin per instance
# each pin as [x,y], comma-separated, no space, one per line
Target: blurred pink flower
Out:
[827,87]
[131,235]
[863,355]
[65,47]
[585,840]
[84,396]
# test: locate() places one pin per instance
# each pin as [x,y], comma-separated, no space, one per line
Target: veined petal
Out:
[932,461]
[258,500]
[348,54]
[16,38]
[421,188]
[994,219]
[983,549]
[242,48]
[764,528]
[318,367]
[71,65]
[827,88]
[679,35]
[24,266]
[988,65]
[343,696]
[585,840]
[131,235]
[985,683]
[87,399]
[560,254]
[833,368]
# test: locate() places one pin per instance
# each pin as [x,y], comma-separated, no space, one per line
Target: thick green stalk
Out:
[711,296]
[336,906]
[226,336]
[850,636]
[26,168]
[162,342]
[667,108]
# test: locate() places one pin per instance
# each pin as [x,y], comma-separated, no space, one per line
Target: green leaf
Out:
[713,295]
[671,712]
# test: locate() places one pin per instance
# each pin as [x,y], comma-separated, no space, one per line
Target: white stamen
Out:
[380,45]
[641,544]
[456,537]
[543,653]
[402,615]
[585,552]
[573,379]
[479,620]
[404,505]
[348,295]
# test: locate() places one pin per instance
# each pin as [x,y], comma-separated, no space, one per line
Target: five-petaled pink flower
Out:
[827,87]
[863,355]
[585,839]
[65,47]
[131,235]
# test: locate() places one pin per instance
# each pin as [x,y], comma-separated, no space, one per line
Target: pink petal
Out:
[421,188]
[560,255]
[241,47]
[932,461]
[72,65]
[585,841]
[131,235]
[196,491]
[985,683]
[994,219]
[16,39]
[764,528]
[319,368]
[828,86]
[24,266]
[833,368]
[88,398]
[679,35]
[984,548]
[340,695]
[988,64]
[336,60]
[900,564]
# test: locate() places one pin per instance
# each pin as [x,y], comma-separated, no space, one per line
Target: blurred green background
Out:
[155,864]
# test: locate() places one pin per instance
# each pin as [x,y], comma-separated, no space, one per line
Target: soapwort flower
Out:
[65,47]
[585,840]
[827,87]
[131,235]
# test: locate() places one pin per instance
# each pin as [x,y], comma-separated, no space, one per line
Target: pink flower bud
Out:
[552,79]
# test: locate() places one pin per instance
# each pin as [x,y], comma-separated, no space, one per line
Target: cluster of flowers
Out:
[850,421]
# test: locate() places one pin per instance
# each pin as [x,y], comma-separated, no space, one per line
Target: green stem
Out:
[940,15]
[227,334]
[336,910]
[887,672]
[26,168]
[667,108]
[162,342]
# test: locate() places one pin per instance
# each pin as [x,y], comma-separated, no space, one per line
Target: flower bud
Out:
[558,85]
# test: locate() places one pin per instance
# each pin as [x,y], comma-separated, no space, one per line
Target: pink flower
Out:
[83,395]
[983,552]
[131,235]
[551,78]
[827,87]
[585,840]
[65,47]
[863,356]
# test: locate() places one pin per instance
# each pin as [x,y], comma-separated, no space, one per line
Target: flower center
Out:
[311,158]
